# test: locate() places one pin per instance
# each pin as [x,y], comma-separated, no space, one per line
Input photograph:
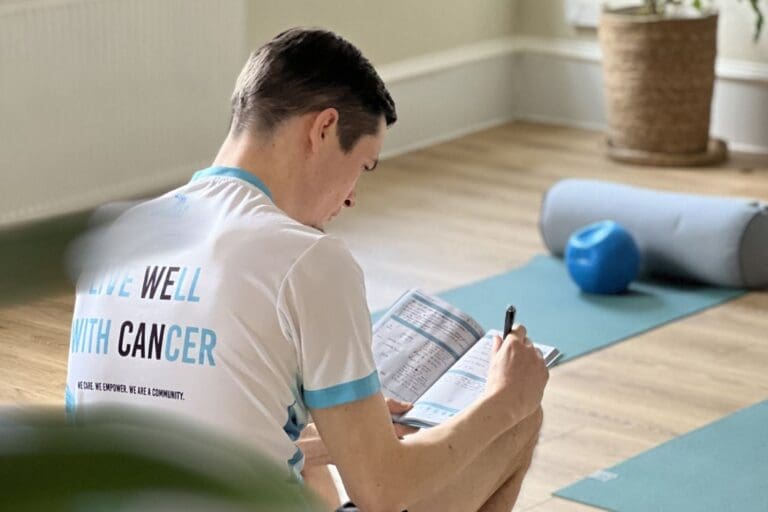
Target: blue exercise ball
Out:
[602,258]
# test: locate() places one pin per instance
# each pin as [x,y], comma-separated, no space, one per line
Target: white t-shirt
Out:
[224,310]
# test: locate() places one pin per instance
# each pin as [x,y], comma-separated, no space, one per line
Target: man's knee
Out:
[530,427]
[521,434]
[519,442]
[538,421]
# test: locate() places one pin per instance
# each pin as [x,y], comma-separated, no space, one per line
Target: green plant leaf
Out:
[759,21]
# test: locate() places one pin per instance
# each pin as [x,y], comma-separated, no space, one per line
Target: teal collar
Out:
[233,172]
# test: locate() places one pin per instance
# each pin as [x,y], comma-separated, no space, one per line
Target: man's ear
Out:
[323,128]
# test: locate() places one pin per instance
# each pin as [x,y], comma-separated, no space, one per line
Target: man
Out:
[238,312]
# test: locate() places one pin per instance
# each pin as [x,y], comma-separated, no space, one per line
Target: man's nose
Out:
[350,201]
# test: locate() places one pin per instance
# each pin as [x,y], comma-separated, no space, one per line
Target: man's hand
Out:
[517,375]
[314,450]
[398,407]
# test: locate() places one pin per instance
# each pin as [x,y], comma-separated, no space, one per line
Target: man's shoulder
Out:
[239,217]
[271,230]
[273,240]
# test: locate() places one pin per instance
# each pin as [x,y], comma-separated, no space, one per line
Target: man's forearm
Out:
[423,462]
[382,472]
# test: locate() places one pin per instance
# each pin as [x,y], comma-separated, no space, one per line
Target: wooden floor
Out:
[469,208]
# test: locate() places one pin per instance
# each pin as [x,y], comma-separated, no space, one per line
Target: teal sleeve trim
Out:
[342,393]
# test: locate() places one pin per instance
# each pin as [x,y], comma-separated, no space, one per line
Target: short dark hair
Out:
[307,70]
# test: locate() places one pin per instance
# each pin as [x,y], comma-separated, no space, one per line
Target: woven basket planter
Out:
[659,74]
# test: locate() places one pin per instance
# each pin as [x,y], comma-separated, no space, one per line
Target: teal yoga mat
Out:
[722,467]
[556,313]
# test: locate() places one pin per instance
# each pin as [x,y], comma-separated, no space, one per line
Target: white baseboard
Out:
[449,94]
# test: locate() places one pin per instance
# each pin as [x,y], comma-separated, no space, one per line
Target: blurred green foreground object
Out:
[121,461]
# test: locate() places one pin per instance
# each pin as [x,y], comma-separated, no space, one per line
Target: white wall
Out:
[389,31]
[106,99]
[102,99]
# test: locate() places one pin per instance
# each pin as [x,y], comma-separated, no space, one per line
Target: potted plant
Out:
[659,71]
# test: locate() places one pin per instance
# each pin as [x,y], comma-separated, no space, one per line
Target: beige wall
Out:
[388,30]
[546,18]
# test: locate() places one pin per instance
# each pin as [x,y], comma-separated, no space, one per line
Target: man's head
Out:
[309,70]
[314,81]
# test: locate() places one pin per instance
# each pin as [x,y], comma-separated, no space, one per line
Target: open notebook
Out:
[435,356]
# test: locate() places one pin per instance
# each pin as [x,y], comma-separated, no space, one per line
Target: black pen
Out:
[509,321]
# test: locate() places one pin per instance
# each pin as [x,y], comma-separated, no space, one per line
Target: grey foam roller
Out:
[715,240]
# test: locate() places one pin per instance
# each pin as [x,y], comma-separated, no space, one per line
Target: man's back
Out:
[204,324]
